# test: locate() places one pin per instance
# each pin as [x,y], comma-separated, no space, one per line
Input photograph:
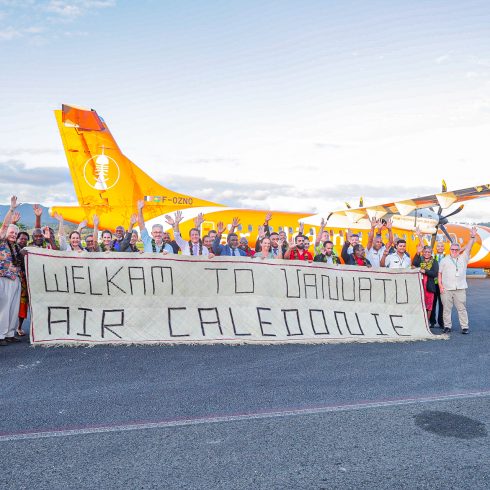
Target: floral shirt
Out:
[8,269]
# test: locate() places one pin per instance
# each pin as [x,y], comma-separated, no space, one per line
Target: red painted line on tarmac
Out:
[236,417]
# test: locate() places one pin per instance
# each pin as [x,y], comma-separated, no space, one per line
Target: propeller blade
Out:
[347,205]
[444,186]
[361,202]
[443,228]
[433,239]
[454,212]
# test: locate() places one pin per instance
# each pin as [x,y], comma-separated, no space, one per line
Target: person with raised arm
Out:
[397,260]
[194,246]
[351,240]
[153,243]
[296,250]
[437,307]
[452,282]
[128,243]
[327,254]
[266,231]
[429,268]
[321,237]
[375,246]
[91,242]
[10,268]
[231,247]
[74,242]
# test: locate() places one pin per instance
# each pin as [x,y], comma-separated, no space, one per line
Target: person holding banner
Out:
[154,243]
[453,285]
[10,266]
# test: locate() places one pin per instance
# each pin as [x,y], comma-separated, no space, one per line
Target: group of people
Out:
[444,278]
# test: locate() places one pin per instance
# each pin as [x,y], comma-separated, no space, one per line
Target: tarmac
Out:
[394,415]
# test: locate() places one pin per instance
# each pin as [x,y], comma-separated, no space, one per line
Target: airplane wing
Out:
[406,206]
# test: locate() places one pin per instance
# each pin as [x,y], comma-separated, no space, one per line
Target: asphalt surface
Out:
[394,415]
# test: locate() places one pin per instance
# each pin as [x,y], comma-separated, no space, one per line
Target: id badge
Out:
[458,273]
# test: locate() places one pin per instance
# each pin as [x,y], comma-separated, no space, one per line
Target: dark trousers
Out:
[437,301]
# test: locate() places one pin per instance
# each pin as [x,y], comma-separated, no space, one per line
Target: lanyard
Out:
[455,262]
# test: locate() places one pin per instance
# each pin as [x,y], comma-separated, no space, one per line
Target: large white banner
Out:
[133,298]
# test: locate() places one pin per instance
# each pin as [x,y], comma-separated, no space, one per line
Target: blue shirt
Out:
[147,247]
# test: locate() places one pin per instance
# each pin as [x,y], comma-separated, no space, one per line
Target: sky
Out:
[281,105]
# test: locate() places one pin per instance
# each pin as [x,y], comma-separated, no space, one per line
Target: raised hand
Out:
[82,225]
[58,217]
[322,224]
[198,220]
[261,232]
[13,202]
[292,244]
[348,235]
[169,220]
[178,217]
[389,224]
[374,223]
[46,232]
[95,220]
[15,217]
[268,217]
[38,210]
[133,220]
[235,222]
[301,228]
[473,231]
[220,227]
[140,204]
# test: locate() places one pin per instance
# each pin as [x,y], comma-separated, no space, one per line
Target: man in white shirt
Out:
[397,260]
[453,285]
[375,247]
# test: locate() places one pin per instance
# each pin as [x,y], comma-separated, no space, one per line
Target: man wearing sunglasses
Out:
[453,285]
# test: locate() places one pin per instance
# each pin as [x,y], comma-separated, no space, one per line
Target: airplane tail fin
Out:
[103,177]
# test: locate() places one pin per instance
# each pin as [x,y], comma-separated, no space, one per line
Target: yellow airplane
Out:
[109,184]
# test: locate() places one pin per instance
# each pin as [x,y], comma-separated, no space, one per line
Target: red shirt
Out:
[298,254]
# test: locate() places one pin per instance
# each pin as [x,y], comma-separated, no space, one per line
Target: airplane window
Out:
[341,233]
[280,228]
[250,228]
[290,230]
[240,227]
[311,231]
[331,233]
[413,237]
[271,228]
[404,236]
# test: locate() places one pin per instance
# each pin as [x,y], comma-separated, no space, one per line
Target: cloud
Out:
[11,152]
[442,59]
[16,172]
[264,193]
[35,19]
[10,33]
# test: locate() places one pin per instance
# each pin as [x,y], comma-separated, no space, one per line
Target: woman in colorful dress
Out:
[429,268]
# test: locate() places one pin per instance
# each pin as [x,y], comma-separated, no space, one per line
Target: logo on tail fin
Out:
[101,172]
